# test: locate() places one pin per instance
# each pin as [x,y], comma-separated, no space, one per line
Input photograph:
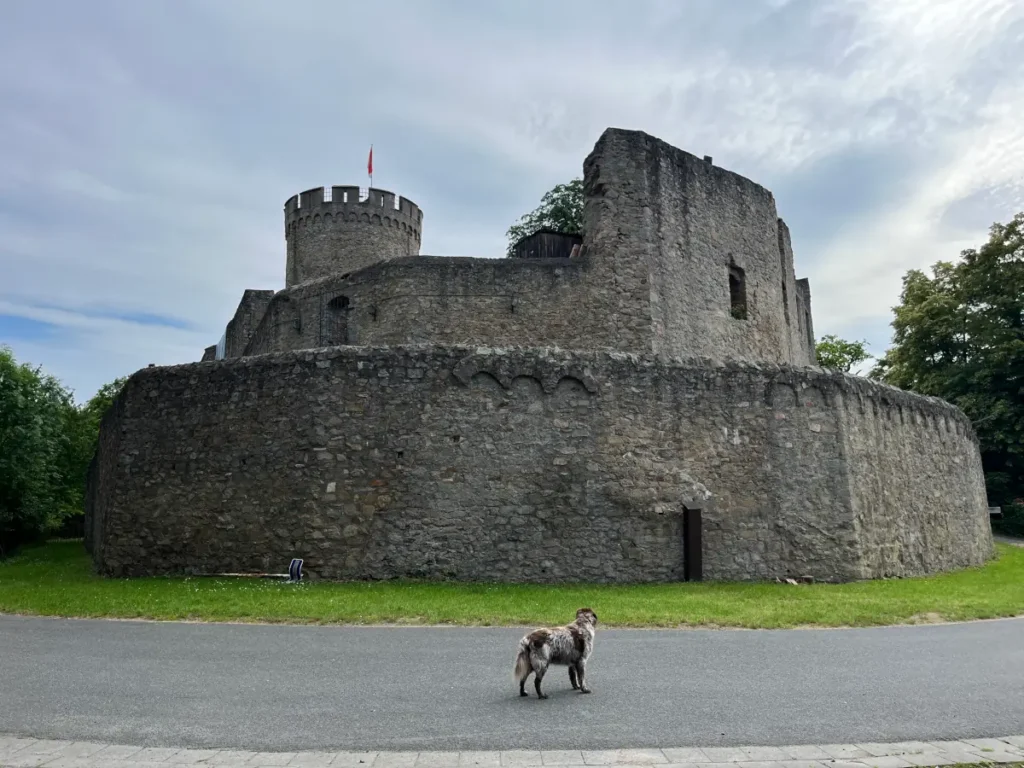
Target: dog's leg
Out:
[522,684]
[538,675]
[523,669]
[581,671]
[572,676]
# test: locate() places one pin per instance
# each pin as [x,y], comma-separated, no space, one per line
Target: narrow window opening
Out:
[737,292]
[785,301]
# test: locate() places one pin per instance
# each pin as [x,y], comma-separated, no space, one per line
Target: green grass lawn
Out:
[56,580]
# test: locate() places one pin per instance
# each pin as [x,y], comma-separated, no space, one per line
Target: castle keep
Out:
[547,417]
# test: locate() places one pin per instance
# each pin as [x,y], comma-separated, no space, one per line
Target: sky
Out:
[147,148]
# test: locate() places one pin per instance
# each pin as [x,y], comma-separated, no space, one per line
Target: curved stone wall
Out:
[530,465]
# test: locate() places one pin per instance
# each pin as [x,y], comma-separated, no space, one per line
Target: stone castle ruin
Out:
[637,403]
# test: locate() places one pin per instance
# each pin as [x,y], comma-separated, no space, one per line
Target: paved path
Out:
[30,753]
[281,688]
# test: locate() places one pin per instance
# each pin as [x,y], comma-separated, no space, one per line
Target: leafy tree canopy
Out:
[46,444]
[959,335]
[37,442]
[840,354]
[98,404]
[560,209]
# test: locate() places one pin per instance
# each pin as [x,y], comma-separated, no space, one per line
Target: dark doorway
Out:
[693,565]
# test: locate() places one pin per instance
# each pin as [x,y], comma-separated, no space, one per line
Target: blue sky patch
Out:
[14,328]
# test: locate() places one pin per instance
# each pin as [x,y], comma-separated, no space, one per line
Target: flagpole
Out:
[369,167]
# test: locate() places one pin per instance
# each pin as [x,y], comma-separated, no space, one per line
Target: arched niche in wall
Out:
[336,325]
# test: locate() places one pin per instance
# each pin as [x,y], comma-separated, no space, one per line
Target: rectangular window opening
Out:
[737,292]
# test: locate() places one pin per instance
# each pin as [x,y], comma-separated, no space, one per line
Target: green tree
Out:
[959,335]
[560,209]
[46,444]
[99,403]
[38,421]
[840,354]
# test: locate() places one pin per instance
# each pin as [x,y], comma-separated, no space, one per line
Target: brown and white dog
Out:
[570,646]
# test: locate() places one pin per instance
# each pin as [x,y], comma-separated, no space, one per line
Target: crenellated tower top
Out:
[342,229]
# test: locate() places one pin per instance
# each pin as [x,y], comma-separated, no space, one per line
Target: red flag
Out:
[369,163]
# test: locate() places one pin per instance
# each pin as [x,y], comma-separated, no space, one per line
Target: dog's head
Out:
[586,616]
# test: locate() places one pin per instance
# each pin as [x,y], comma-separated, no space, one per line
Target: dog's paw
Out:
[584,690]
[542,696]
[523,693]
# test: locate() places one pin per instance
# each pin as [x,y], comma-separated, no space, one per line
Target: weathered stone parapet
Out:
[493,464]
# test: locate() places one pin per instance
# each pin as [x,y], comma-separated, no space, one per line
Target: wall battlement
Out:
[337,230]
[332,197]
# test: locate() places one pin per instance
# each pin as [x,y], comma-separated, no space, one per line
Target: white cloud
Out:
[145,153]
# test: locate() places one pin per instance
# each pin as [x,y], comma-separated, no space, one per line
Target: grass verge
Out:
[56,580]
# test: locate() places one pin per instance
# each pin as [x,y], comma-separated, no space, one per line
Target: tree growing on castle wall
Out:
[959,335]
[840,354]
[560,209]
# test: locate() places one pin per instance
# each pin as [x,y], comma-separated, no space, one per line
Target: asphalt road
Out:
[291,688]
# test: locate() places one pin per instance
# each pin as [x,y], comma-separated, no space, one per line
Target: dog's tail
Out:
[523,666]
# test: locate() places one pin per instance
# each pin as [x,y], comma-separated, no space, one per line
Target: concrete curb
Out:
[18,752]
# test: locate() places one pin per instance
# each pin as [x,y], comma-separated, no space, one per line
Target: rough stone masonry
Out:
[541,419]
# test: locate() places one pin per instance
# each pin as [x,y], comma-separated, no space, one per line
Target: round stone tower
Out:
[330,232]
